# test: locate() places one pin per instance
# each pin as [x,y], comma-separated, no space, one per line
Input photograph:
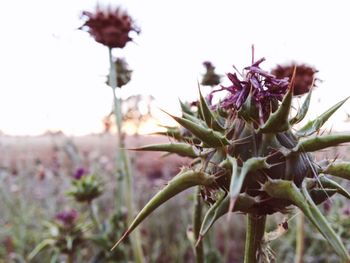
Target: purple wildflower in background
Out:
[346,211]
[110,27]
[67,217]
[304,76]
[79,173]
[262,85]
[208,65]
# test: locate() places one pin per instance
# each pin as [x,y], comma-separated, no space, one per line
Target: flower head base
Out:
[86,189]
[210,78]
[67,217]
[110,27]
[265,90]
[304,76]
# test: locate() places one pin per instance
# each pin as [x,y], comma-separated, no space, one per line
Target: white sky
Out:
[52,75]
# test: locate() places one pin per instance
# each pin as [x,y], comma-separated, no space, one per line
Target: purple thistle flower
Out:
[67,217]
[109,26]
[304,76]
[208,65]
[264,88]
[327,206]
[346,211]
[79,173]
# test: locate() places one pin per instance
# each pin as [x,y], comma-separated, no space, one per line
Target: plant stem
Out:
[197,221]
[70,258]
[300,239]
[93,215]
[254,235]
[123,163]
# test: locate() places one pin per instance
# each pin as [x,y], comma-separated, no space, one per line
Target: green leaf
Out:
[282,189]
[323,226]
[248,110]
[239,174]
[42,245]
[194,119]
[214,212]
[302,111]
[173,132]
[321,142]
[206,135]
[244,203]
[182,149]
[278,120]
[341,170]
[329,183]
[207,113]
[182,181]
[313,126]
[186,108]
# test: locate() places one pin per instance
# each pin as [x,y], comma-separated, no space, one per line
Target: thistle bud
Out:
[79,173]
[210,78]
[67,217]
[123,73]
[86,188]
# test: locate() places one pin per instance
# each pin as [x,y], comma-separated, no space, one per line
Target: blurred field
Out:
[35,173]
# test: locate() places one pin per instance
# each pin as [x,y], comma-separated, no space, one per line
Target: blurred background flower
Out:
[109,26]
[304,76]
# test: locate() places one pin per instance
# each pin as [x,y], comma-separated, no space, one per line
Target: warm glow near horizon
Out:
[52,75]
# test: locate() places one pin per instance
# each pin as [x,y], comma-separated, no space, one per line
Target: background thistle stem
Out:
[116,101]
[197,222]
[70,257]
[254,235]
[93,215]
[300,239]
[123,164]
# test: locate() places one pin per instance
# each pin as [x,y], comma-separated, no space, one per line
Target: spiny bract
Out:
[247,157]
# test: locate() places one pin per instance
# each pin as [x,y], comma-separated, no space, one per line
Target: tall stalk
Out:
[197,222]
[254,235]
[300,239]
[124,164]
[70,257]
[93,215]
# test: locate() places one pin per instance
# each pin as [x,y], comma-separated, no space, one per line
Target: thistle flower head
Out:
[67,217]
[85,189]
[110,27]
[265,89]
[304,76]
[255,167]
[79,173]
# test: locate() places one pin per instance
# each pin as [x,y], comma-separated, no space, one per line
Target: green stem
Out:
[254,235]
[197,221]
[93,215]
[70,257]
[116,101]
[300,239]
[123,163]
